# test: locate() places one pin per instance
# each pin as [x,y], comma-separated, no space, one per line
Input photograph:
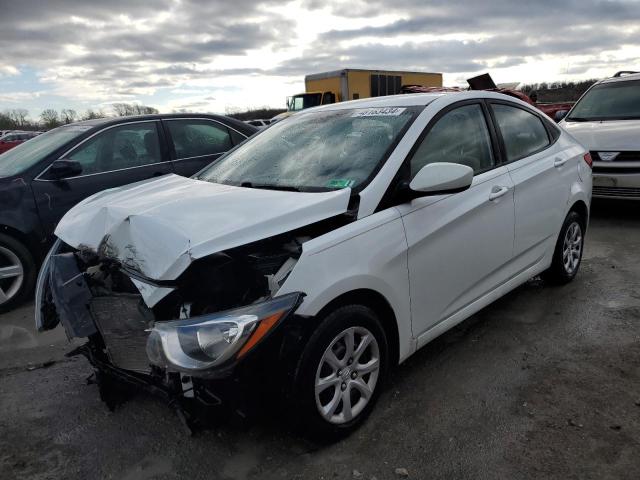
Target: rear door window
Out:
[196,138]
[523,132]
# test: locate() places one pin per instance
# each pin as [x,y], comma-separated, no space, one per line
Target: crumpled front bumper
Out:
[118,325]
[62,294]
[118,320]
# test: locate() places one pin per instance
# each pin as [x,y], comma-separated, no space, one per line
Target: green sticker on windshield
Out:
[340,183]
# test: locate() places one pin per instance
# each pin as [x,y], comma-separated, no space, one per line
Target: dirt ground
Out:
[545,383]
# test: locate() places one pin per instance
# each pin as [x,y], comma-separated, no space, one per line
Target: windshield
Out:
[609,101]
[315,151]
[27,154]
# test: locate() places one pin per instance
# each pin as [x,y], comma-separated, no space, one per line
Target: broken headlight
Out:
[207,341]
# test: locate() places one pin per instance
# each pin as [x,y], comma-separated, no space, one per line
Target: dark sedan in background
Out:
[40,180]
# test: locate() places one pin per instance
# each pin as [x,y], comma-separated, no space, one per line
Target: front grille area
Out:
[122,322]
[621,157]
[617,192]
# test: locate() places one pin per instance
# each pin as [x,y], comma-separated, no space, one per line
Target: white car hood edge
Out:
[159,227]
[610,135]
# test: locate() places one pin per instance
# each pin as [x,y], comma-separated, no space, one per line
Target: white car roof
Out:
[409,100]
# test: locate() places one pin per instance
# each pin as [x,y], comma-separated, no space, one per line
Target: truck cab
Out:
[309,99]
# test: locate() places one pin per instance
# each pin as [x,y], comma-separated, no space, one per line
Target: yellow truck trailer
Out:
[352,83]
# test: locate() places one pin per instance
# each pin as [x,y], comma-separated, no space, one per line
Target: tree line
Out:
[18,118]
[254,113]
[550,92]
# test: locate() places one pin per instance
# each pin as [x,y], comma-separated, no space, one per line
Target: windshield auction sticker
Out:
[379,112]
[340,183]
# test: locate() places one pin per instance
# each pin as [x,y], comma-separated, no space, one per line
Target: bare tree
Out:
[50,118]
[122,109]
[145,110]
[68,115]
[6,123]
[90,114]
[128,109]
[19,117]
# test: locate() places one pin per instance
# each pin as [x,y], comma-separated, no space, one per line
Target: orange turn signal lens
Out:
[264,326]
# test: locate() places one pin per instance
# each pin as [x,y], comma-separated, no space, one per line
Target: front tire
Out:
[567,255]
[17,273]
[341,372]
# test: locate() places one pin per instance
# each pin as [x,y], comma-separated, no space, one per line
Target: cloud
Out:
[8,70]
[95,51]
[128,48]
[472,35]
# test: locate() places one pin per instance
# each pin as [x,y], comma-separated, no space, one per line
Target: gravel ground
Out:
[545,383]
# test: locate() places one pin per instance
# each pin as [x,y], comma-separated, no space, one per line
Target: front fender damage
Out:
[102,299]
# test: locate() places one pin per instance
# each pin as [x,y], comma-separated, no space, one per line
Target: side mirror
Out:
[65,168]
[560,114]
[441,178]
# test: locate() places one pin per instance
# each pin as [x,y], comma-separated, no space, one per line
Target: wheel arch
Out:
[380,305]
[580,207]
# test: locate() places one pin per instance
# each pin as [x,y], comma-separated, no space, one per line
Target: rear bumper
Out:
[619,185]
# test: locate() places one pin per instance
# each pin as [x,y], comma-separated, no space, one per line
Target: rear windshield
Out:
[27,154]
[609,101]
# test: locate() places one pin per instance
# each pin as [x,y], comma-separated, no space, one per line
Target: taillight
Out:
[588,159]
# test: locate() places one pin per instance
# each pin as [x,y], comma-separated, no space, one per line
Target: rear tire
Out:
[567,255]
[336,384]
[17,273]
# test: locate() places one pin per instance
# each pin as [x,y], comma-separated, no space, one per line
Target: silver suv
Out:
[606,120]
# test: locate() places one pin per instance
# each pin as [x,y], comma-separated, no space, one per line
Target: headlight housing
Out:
[198,344]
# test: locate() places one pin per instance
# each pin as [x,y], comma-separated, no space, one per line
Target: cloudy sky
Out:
[224,55]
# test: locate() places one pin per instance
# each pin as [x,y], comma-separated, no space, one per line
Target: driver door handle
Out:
[497,191]
[558,162]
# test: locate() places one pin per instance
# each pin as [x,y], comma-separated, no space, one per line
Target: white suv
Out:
[606,120]
[319,253]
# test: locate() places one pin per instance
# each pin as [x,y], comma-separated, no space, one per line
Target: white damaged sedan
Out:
[310,259]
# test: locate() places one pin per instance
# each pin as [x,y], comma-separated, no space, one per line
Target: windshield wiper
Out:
[286,188]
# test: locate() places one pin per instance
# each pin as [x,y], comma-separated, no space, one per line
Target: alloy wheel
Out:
[572,248]
[347,375]
[11,274]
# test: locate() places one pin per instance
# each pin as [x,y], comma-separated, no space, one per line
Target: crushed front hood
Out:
[158,227]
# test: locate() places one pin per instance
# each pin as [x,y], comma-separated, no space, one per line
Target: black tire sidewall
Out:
[557,273]
[334,323]
[29,269]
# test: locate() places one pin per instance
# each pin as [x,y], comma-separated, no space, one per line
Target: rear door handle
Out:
[558,162]
[497,192]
